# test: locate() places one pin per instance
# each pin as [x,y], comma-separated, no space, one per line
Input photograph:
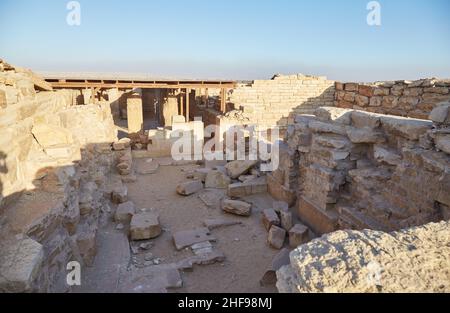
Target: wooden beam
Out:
[131,85]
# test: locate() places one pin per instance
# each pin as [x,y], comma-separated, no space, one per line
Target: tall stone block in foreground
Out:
[134,113]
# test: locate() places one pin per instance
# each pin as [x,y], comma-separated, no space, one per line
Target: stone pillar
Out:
[135,114]
[113,98]
[87,94]
[170,108]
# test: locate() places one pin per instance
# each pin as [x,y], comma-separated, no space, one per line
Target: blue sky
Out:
[239,39]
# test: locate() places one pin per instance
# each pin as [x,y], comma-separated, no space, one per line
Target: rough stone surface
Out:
[189,188]
[298,235]
[411,260]
[20,261]
[183,239]
[145,226]
[217,179]
[237,207]
[270,218]
[124,212]
[276,237]
[238,168]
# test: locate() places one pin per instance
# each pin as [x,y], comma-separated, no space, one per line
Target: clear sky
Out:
[239,39]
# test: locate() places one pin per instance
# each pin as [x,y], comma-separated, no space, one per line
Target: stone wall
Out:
[403,98]
[354,170]
[271,102]
[412,260]
[54,160]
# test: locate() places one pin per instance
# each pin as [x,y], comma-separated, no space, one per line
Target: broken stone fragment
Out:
[245,178]
[124,168]
[145,226]
[122,144]
[237,168]
[147,167]
[213,223]
[202,248]
[386,155]
[251,187]
[276,237]
[270,218]
[20,262]
[200,174]
[124,212]
[443,143]
[217,179]
[119,194]
[189,188]
[236,207]
[183,239]
[286,220]
[365,135]
[441,114]
[298,235]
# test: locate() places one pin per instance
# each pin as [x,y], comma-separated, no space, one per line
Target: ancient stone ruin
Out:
[358,202]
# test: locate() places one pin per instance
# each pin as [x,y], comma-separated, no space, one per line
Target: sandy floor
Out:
[247,253]
[244,246]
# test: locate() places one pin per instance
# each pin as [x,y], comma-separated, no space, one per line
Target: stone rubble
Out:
[189,188]
[144,226]
[237,207]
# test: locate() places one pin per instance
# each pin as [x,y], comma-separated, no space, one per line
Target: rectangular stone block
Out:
[135,114]
[320,221]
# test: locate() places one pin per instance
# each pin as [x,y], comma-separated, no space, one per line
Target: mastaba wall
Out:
[271,102]
[354,170]
[55,158]
[414,99]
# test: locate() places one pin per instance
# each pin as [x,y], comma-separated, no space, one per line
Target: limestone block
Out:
[441,114]
[145,226]
[237,168]
[217,179]
[298,235]
[49,135]
[251,187]
[269,218]
[332,114]
[186,238]
[122,144]
[366,91]
[276,237]
[364,135]
[189,188]
[406,127]
[124,212]
[443,143]
[20,262]
[386,155]
[135,115]
[119,194]
[236,207]
[286,220]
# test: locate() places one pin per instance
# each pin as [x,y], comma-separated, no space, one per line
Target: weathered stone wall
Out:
[271,102]
[412,260]
[354,170]
[54,159]
[403,98]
